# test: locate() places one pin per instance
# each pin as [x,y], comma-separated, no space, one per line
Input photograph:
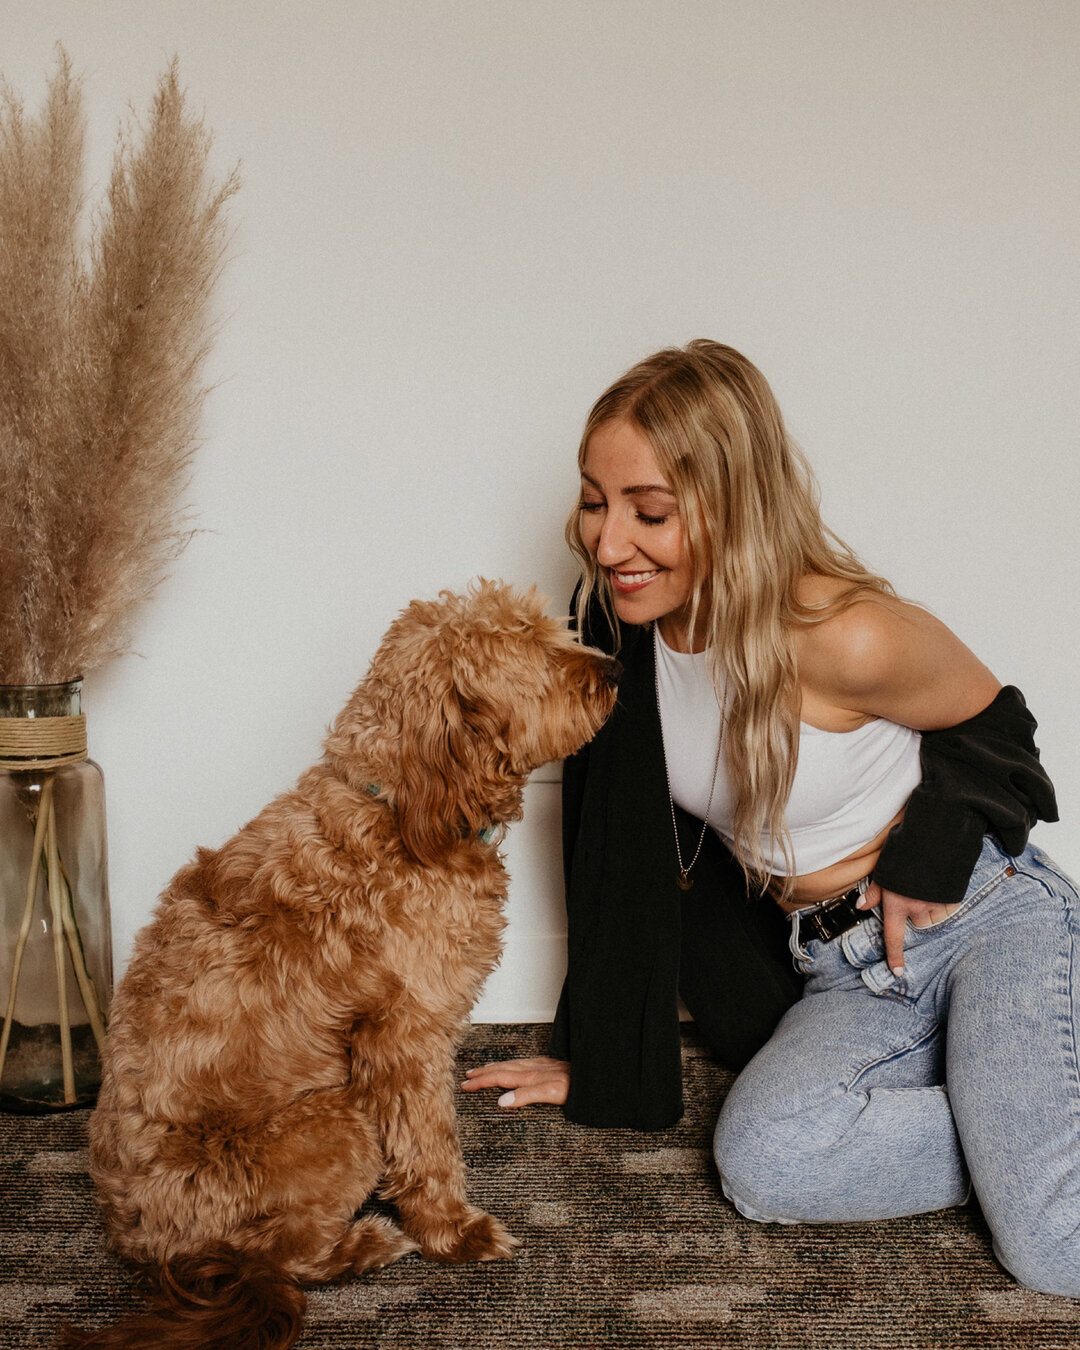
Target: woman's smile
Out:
[632,581]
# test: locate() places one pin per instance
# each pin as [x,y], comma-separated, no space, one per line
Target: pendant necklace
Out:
[684,880]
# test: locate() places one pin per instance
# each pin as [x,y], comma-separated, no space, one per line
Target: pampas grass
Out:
[101,350]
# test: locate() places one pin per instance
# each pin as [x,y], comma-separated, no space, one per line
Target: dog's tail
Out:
[217,1298]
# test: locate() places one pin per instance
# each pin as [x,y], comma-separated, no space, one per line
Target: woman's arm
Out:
[981,770]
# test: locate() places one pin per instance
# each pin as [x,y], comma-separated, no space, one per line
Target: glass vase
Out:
[56,953]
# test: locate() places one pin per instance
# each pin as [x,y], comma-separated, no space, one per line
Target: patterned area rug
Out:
[628,1244]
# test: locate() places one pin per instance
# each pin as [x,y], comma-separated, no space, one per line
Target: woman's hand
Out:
[529,1080]
[895,912]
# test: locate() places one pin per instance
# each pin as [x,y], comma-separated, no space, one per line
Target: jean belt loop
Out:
[794,945]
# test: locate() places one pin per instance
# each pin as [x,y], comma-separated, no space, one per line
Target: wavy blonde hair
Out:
[750,511]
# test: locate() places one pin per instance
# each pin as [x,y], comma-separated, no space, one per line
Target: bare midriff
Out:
[834,880]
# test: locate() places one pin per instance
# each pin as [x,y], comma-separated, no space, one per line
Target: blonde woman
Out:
[788,727]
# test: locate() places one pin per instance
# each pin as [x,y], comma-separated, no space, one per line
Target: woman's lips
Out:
[625,583]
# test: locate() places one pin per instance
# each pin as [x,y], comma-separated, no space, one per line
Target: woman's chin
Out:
[634,611]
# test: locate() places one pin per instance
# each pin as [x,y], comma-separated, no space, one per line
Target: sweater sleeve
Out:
[982,776]
[575,771]
[596,632]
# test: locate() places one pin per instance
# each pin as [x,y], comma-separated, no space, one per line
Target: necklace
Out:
[684,880]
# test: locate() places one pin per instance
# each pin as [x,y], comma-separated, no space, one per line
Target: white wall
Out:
[461,220]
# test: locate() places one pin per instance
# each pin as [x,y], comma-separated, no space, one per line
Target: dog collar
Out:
[485,836]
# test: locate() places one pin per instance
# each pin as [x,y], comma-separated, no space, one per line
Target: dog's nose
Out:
[611,671]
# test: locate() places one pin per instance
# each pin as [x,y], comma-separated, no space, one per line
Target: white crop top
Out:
[848,785]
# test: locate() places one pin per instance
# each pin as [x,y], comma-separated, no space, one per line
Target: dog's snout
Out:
[611,671]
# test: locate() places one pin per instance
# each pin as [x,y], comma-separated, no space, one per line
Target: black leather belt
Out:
[832,917]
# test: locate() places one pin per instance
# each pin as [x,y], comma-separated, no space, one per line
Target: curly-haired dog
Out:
[283,1041]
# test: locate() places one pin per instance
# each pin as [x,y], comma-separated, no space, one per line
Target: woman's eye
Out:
[651,520]
[590,506]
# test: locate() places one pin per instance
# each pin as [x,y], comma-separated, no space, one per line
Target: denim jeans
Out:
[879,1096]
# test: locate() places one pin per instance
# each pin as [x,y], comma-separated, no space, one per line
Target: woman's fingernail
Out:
[898,971]
[861,902]
[507,1099]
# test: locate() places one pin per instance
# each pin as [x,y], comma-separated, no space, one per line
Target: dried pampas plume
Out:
[101,351]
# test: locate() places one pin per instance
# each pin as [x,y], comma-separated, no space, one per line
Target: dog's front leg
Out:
[425,1172]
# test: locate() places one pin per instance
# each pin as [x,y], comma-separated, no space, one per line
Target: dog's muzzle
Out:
[611,670]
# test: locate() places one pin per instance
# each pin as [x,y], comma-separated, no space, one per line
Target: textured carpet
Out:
[627,1243]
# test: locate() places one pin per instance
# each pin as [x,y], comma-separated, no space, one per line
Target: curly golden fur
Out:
[283,1041]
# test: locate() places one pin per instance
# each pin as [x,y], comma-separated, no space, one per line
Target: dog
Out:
[282,1046]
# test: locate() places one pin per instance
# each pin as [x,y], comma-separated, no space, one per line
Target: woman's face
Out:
[631,525]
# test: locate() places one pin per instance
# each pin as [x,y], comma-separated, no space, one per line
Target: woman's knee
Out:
[758,1173]
[1036,1259]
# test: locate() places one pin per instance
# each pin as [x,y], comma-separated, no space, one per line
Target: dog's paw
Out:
[476,1237]
[374,1242]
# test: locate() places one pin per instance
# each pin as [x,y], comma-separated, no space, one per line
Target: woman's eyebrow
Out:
[635,490]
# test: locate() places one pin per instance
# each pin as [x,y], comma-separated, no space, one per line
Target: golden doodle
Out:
[283,1043]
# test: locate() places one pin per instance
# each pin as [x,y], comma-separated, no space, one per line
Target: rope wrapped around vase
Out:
[39,743]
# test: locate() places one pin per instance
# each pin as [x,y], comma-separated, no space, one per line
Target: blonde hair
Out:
[752,525]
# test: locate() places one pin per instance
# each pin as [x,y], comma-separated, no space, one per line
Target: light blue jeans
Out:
[878,1097]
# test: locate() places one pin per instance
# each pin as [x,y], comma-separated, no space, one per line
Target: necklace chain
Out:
[684,880]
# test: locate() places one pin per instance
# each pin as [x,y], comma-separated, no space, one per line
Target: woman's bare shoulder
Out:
[851,634]
[883,656]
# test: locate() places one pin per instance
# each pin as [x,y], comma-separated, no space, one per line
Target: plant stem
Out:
[44,811]
[78,961]
[56,905]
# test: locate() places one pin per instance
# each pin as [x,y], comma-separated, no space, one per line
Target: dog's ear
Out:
[436,767]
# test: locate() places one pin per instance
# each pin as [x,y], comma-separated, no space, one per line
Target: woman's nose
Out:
[614,545]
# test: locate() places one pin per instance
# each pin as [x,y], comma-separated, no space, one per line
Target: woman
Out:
[782,707]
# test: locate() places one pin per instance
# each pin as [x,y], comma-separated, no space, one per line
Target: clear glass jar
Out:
[56,944]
